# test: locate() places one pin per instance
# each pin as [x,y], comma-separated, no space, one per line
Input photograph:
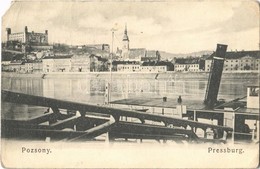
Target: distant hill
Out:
[170,56]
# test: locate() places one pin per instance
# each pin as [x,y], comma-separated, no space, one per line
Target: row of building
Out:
[82,63]
[89,58]
[235,61]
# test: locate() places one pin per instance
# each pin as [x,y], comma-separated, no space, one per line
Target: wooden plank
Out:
[64,123]
[40,119]
[148,129]
[148,136]
[95,131]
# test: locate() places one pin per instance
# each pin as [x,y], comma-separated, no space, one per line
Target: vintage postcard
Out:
[130,84]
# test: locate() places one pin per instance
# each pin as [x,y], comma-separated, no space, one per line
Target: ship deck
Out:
[158,102]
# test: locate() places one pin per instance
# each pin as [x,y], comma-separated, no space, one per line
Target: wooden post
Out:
[257,130]
[205,133]
[195,114]
[233,133]
[253,134]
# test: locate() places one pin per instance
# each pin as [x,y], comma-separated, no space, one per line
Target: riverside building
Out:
[238,61]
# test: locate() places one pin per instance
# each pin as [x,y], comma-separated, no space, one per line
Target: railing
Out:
[93,126]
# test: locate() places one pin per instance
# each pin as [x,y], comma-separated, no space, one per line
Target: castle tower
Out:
[8,32]
[125,47]
[25,29]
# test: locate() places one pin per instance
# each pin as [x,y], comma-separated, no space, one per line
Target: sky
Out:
[171,26]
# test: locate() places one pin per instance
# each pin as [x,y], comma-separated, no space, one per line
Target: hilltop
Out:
[170,56]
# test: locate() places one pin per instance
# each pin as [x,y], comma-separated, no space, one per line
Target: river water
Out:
[92,90]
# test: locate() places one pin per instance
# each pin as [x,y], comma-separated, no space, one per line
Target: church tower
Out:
[125,47]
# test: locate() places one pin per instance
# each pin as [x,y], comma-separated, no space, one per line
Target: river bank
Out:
[120,75]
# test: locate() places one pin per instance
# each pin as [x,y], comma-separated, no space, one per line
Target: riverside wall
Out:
[107,75]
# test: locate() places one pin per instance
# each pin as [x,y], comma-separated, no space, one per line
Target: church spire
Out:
[125,29]
[125,38]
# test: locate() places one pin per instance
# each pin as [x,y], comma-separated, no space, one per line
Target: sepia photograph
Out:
[130,84]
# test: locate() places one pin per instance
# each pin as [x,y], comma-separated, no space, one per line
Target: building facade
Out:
[56,64]
[187,67]
[74,63]
[15,66]
[153,69]
[187,64]
[80,63]
[33,67]
[238,61]
[98,64]
[128,68]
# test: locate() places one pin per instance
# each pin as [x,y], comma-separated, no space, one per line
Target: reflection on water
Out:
[91,90]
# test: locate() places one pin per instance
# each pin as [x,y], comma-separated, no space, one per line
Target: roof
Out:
[238,54]
[82,55]
[125,37]
[161,63]
[33,61]
[248,111]
[253,85]
[187,61]
[117,62]
[18,62]
[59,57]
[136,53]
[151,53]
